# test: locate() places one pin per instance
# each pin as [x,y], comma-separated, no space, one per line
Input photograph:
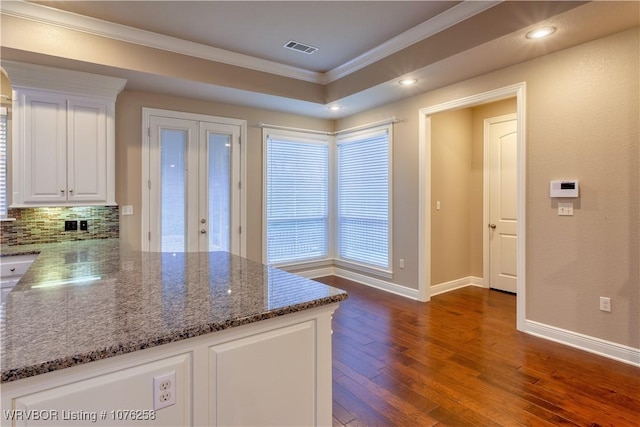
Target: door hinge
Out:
[149,236]
[239,185]
[240,230]
[149,184]
[149,132]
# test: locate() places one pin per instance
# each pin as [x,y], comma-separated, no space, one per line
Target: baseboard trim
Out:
[619,352]
[377,283]
[452,285]
[318,272]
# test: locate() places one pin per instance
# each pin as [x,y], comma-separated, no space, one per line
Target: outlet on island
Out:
[70,225]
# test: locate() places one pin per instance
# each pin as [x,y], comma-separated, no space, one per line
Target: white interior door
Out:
[194,177]
[501,140]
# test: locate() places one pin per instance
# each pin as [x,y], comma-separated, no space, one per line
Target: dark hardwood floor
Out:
[459,361]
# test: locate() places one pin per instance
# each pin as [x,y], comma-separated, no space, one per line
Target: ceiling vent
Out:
[300,47]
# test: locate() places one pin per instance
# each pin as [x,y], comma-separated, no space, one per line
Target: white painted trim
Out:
[50,79]
[85,24]
[375,271]
[424,187]
[362,279]
[441,22]
[452,285]
[244,141]
[377,283]
[424,208]
[147,113]
[611,350]
[312,274]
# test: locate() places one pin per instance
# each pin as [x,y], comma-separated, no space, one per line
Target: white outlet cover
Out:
[565,209]
[164,390]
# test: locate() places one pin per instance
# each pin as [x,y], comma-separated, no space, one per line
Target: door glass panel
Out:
[219,203]
[173,145]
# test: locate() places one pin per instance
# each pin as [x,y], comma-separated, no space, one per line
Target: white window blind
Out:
[3,163]
[297,192]
[363,198]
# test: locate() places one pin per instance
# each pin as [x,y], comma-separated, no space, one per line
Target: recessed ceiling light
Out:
[335,107]
[408,82]
[539,33]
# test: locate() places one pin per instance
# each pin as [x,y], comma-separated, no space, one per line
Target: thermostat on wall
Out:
[565,188]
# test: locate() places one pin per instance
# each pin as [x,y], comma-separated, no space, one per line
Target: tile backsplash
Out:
[46,225]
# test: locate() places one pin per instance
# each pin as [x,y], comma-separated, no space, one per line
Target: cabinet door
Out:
[87,151]
[45,148]
[267,379]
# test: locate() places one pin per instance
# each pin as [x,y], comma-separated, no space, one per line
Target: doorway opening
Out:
[430,203]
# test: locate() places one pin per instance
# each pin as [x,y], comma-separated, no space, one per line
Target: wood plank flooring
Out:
[459,361]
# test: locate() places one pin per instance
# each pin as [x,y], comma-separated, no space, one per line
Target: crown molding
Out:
[85,24]
[73,21]
[438,23]
[32,76]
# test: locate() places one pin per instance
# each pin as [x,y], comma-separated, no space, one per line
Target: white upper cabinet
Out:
[63,149]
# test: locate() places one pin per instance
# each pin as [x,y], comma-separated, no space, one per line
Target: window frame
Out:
[301,137]
[354,136]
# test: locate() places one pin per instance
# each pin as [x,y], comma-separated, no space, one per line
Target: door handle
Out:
[492,226]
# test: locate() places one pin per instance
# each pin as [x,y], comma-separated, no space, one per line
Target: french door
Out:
[193,185]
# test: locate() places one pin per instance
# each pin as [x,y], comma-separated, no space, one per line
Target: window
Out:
[297,195]
[363,197]
[3,163]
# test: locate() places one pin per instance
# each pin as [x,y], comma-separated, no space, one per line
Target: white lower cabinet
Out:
[265,380]
[121,398]
[276,372]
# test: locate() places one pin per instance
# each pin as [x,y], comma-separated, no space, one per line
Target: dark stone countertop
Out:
[90,300]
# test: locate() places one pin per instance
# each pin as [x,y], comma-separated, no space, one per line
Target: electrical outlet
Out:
[70,225]
[84,225]
[605,304]
[164,390]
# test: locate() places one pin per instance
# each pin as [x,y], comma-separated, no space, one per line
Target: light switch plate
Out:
[127,210]
[565,209]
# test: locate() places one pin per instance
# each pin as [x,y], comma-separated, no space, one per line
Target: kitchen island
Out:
[92,329]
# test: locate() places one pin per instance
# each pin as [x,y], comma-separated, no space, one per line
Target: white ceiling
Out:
[342,30]
[350,35]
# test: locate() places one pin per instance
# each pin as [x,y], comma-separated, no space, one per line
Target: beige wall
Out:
[129,155]
[451,137]
[582,121]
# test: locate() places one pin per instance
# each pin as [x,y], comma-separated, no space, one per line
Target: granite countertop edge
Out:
[182,332]
[105,353]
